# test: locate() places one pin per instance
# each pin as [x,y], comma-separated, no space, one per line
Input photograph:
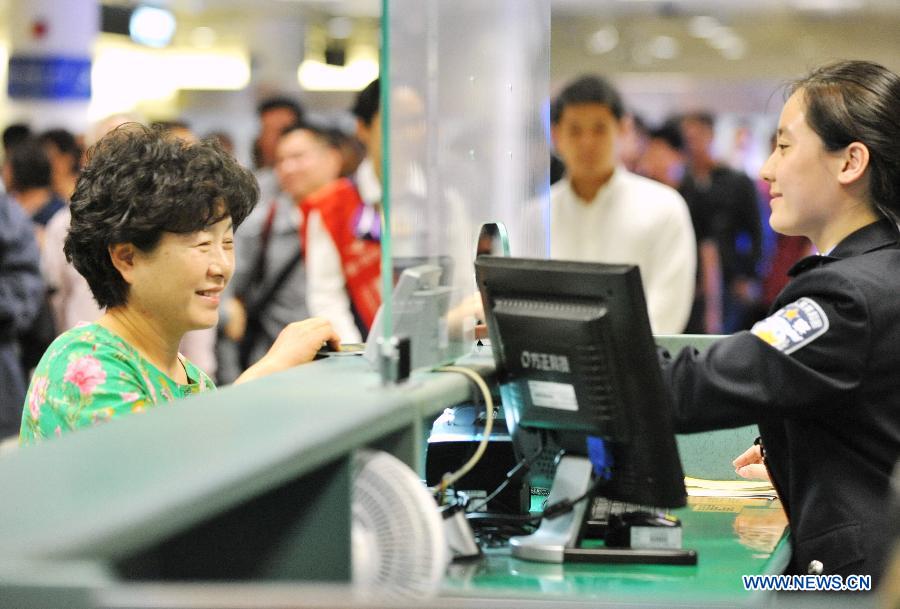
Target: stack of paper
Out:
[698,487]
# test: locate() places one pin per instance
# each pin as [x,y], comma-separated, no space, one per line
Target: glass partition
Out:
[467,86]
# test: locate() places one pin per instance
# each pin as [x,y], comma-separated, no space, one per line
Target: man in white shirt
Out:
[601,212]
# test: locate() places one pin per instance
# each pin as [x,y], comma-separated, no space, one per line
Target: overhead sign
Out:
[53,78]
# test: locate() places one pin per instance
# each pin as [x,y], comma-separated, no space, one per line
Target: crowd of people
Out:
[145,224]
[310,248]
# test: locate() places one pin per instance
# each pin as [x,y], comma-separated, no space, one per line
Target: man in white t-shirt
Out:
[601,212]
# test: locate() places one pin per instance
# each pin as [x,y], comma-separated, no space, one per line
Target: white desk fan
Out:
[399,547]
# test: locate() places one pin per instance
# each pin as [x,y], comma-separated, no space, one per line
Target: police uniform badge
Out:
[793,326]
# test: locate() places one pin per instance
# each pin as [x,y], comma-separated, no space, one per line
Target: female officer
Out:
[152,231]
[820,375]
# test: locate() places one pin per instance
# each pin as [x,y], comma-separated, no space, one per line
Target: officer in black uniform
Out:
[821,374]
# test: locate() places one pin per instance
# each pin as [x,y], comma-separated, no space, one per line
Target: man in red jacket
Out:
[343,231]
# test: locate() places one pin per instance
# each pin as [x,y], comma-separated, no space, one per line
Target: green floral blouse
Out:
[90,375]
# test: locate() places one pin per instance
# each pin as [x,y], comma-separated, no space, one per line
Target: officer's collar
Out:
[874,236]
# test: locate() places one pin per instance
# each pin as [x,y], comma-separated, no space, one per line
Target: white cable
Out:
[448,479]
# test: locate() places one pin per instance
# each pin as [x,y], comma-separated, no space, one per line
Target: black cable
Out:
[494,530]
[564,506]
[509,478]
[515,474]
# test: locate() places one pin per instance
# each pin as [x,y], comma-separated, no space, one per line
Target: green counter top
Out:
[252,484]
[262,469]
[731,536]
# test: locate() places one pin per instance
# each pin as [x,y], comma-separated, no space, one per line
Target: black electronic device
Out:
[454,438]
[578,369]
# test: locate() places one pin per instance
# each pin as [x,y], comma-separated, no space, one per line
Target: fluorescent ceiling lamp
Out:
[216,71]
[831,6]
[123,76]
[316,75]
[151,26]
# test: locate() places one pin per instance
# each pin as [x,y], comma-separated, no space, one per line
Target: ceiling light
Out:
[150,26]
[315,75]
[603,40]
[830,6]
[703,26]
[724,37]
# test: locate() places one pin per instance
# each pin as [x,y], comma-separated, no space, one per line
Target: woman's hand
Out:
[750,464]
[297,344]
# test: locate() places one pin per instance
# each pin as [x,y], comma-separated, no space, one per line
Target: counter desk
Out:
[248,488]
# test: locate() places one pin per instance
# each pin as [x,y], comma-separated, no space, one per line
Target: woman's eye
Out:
[782,147]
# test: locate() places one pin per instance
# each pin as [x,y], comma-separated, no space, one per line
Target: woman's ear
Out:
[122,256]
[855,162]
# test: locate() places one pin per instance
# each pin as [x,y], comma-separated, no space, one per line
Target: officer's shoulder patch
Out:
[793,326]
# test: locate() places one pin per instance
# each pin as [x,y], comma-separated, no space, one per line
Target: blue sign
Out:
[49,78]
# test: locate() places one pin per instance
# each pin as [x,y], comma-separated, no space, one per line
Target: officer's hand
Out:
[750,464]
[460,319]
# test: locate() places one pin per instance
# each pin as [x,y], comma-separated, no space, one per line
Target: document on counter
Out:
[698,487]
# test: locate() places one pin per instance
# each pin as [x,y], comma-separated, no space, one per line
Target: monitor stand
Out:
[549,542]
[557,540]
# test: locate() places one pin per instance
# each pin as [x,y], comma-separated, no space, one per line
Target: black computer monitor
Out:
[576,359]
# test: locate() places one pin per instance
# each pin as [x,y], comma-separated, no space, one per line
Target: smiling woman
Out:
[152,232]
[819,374]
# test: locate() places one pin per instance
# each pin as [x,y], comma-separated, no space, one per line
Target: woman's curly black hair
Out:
[139,183]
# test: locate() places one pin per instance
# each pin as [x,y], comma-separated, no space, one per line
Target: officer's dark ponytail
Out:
[859,101]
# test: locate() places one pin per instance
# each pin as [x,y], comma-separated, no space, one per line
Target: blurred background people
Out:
[601,212]
[268,290]
[31,183]
[21,296]
[634,141]
[64,153]
[724,201]
[664,160]
[344,234]
[275,115]
[12,135]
